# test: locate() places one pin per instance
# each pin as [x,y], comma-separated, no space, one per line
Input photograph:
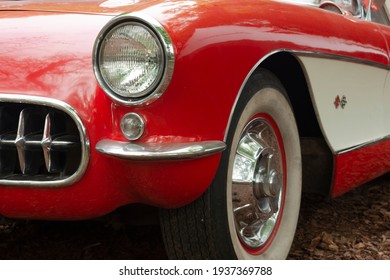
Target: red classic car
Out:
[214,111]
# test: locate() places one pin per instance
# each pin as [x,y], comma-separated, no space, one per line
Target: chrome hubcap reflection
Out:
[257,183]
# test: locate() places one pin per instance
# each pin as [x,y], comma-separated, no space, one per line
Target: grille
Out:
[39,144]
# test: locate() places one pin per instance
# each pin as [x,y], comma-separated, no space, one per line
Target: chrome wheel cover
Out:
[258,183]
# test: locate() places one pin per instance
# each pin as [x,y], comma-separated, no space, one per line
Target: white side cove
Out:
[362,119]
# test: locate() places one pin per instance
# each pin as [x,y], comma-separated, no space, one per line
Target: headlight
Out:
[133,59]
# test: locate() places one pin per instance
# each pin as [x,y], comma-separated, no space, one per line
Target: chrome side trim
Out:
[337,57]
[84,140]
[364,145]
[159,151]
[168,49]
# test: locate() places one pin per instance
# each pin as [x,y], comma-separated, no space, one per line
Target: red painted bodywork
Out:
[357,167]
[46,50]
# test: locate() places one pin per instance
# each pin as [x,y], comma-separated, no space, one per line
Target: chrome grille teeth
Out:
[53,147]
[40,142]
[46,144]
[27,142]
[43,142]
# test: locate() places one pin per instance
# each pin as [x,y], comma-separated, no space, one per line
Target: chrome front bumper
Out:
[159,151]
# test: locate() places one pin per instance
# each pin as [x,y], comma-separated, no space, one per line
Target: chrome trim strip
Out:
[337,57]
[168,49]
[25,99]
[363,145]
[159,151]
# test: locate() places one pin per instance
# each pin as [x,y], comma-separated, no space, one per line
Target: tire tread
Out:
[186,231]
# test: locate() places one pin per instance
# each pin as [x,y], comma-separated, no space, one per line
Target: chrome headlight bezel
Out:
[162,38]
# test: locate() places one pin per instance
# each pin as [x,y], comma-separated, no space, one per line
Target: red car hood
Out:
[111,7]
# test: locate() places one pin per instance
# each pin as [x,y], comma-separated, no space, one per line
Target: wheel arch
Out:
[317,158]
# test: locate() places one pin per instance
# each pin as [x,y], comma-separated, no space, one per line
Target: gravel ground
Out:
[354,226]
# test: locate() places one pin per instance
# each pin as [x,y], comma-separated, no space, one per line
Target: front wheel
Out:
[251,209]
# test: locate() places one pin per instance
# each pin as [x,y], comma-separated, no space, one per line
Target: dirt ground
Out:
[354,226]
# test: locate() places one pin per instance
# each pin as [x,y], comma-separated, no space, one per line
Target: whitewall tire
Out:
[251,209]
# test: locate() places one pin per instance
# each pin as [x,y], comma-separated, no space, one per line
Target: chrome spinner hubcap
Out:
[257,183]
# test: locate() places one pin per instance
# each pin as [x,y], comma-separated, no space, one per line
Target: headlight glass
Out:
[131,60]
